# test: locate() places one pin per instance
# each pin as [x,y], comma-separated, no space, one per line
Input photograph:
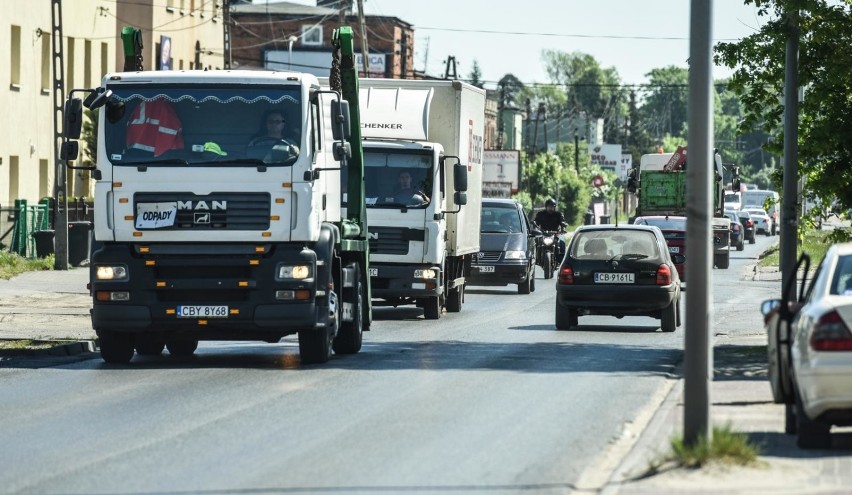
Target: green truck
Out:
[661,191]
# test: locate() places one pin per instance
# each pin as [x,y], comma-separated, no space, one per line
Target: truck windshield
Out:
[168,125]
[398,179]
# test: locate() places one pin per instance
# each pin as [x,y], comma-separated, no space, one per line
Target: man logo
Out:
[202,218]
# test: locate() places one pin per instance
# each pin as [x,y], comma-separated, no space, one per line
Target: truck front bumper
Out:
[389,281]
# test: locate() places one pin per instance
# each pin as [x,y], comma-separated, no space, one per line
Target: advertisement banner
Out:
[607,157]
[502,166]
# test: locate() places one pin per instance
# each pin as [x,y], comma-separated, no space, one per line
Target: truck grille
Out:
[393,240]
[216,211]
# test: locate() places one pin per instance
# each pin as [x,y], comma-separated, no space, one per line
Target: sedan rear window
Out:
[842,284]
[605,244]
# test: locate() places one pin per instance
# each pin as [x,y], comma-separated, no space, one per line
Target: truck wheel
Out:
[547,265]
[566,318]
[431,307]
[149,346]
[350,334]
[455,299]
[116,347]
[182,348]
[668,320]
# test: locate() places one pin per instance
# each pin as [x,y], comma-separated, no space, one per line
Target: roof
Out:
[500,201]
[282,8]
[627,226]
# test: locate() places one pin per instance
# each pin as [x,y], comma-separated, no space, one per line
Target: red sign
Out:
[597,181]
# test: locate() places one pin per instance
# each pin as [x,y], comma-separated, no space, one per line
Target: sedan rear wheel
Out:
[566,318]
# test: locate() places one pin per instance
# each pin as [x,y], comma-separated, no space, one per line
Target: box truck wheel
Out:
[349,337]
[431,307]
[116,347]
[455,299]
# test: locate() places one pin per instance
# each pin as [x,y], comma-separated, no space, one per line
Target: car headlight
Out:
[548,241]
[111,272]
[298,272]
[515,255]
[425,273]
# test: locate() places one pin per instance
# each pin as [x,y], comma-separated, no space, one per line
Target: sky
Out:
[633,36]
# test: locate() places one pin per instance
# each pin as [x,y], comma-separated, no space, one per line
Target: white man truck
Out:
[205,237]
[661,187]
[423,148]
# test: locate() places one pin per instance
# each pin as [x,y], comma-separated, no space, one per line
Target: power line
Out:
[566,35]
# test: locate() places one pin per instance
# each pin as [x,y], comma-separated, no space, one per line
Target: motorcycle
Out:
[550,253]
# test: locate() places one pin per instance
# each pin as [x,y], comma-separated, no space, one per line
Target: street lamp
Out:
[290,42]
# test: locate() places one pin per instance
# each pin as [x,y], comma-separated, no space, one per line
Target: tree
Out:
[665,105]
[475,76]
[825,127]
[513,86]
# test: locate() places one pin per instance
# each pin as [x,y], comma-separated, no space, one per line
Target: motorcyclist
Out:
[551,220]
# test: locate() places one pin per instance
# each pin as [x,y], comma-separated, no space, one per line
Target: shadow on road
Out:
[777,444]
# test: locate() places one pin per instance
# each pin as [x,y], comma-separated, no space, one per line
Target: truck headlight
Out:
[298,272]
[515,255]
[111,272]
[426,273]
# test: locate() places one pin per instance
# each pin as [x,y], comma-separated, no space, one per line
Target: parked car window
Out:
[842,283]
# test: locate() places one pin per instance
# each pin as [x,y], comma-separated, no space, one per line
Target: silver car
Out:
[811,371]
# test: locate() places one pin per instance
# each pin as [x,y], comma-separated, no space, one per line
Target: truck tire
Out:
[668,320]
[547,265]
[455,298]
[431,307]
[149,346]
[566,318]
[722,261]
[182,348]
[116,347]
[350,334]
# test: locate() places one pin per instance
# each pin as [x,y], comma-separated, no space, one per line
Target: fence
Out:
[18,223]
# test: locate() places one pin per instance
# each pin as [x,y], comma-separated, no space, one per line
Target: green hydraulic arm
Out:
[344,79]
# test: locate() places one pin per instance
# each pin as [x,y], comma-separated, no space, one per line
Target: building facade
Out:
[91,47]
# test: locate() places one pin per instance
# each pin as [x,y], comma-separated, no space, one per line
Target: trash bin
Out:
[79,242]
[45,242]
[589,218]
[605,218]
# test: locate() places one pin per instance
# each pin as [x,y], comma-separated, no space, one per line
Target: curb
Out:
[63,349]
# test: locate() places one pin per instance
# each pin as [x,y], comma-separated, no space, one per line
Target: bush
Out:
[12,264]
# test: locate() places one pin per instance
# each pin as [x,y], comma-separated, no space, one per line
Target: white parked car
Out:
[762,221]
[810,367]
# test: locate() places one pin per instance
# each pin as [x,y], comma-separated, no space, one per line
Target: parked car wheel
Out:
[812,434]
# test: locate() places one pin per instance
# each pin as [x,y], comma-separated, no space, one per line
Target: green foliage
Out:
[825,129]
[726,447]
[12,264]
[513,86]
[475,76]
[545,176]
[812,241]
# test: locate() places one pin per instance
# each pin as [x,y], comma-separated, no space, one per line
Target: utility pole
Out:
[528,109]
[698,348]
[789,218]
[59,187]
[365,48]
[451,68]
[226,32]
[576,151]
[501,127]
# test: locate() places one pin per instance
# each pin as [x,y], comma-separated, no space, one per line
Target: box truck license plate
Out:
[202,311]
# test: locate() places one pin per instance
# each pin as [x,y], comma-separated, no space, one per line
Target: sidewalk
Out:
[46,305]
[740,397]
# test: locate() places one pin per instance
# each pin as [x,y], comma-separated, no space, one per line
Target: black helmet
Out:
[550,202]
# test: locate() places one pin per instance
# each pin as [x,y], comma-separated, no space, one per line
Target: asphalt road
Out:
[492,399]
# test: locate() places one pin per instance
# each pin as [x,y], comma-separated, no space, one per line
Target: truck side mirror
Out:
[340,117]
[460,178]
[341,151]
[70,150]
[98,98]
[73,118]
[460,198]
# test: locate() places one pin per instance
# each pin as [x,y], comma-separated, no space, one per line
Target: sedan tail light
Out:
[664,275]
[566,275]
[749,223]
[735,227]
[831,334]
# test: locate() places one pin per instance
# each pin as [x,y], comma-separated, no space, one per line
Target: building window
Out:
[312,35]
[15,69]
[87,64]
[46,57]
[170,5]
[71,58]
[43,179]
[14,179]
[104,60]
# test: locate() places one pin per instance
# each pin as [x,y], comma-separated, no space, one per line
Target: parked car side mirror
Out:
[678,259]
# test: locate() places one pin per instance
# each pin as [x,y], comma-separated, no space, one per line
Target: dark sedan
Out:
[748,226]
[618,271]
[506,247]
[674,231]
[737,230]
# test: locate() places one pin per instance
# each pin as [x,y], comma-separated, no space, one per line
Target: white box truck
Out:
[423,149]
